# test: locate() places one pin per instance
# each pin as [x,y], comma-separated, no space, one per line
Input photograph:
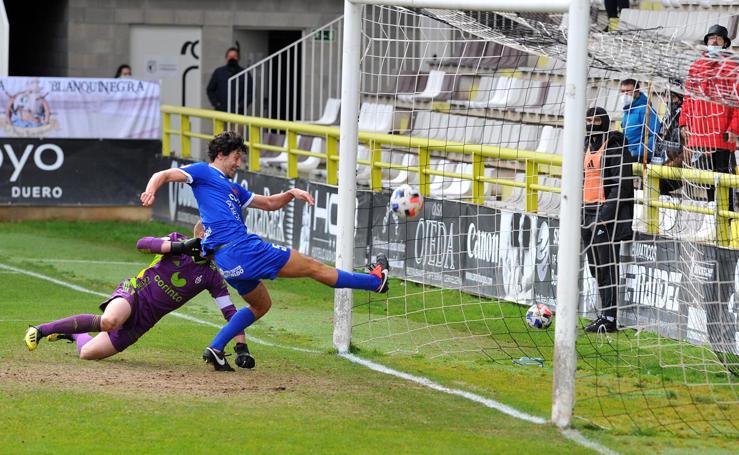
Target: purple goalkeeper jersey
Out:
[171,280]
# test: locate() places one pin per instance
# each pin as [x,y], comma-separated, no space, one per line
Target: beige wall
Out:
[99,30]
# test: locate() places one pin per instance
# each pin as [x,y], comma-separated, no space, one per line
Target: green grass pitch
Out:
[158,396]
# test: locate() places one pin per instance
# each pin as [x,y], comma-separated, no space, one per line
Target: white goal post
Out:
[572,167]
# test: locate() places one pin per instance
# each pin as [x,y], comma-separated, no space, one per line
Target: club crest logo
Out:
[28,112]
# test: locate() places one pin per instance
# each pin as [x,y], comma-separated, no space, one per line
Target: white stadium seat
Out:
[330,113]
[433,88]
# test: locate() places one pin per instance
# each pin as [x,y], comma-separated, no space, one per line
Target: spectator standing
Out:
[613,9]
[218,85]
[711,127]
[633,123]
[670,145]
[608,211]
[123,71]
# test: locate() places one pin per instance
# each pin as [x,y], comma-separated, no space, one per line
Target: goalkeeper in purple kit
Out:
[245,258]
[175,276]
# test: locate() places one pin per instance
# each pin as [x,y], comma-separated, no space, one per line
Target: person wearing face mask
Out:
[218,86]
[608,210]
[709,123]
[635,103]
[124,72]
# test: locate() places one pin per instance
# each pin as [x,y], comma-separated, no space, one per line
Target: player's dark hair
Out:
[234,49]
[633,82]
[225,143]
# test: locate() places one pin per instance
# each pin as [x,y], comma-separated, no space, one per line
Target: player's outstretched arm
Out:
[277,201]
[157,180]
[164,246]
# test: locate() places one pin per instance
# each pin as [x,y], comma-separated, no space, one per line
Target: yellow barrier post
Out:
[478,170]
[292,158]
[375,170]
[722,222]
[332,164]
[185,135]
[651,194]
[253,150]
[424,157]
[218,127]
[166,126]
[532,178]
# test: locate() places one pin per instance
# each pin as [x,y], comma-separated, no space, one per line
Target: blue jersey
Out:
[220,202]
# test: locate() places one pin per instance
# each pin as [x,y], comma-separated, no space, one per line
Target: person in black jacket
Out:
[670,145]
[608,210]
[218,85]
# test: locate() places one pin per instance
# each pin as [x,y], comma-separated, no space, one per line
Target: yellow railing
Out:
[535,163]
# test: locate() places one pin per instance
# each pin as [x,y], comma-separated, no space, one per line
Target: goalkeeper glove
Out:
[243,356]
[190,247]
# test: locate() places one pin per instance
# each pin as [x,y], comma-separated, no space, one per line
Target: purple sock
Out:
[80,323]
[81,339]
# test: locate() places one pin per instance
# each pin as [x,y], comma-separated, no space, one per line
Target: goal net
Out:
[479,98]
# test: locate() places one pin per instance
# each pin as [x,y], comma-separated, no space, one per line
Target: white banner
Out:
[56,107]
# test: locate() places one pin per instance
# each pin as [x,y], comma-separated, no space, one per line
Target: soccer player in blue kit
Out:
[245,258]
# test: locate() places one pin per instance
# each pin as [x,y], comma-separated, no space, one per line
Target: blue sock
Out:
[241,320]
[357,281]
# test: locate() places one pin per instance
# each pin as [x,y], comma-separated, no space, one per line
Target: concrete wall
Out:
[98,30]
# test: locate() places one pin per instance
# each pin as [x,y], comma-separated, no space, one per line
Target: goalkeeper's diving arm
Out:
[165,246]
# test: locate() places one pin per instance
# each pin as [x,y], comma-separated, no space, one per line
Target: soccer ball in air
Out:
[406,201]
[539,316]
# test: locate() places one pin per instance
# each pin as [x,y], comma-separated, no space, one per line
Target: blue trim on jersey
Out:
[220,202]
[189,177]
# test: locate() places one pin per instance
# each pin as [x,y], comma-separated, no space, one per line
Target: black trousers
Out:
[668,186]
[603,255]
[614,7]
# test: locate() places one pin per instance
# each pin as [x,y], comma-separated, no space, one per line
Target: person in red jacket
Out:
[710,123]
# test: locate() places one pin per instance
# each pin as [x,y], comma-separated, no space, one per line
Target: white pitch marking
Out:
[249,337]
[570,434]
[433,385]
[87,261]
[576,436]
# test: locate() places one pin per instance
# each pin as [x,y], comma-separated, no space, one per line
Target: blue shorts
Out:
[246,261]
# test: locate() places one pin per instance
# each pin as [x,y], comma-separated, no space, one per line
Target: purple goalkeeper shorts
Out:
[137,323]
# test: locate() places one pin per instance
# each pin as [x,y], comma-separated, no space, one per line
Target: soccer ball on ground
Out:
[539,316]
[406,202]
